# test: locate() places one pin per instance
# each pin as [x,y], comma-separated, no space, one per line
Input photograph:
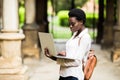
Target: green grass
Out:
[62,35]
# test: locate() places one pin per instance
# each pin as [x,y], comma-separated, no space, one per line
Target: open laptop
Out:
[46,41]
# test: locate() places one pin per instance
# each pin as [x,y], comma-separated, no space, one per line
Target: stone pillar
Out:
[1,13]
[107,41]
[1,7]
[11,67]
[41,15]
[116,51]
[100,22]
[30,44]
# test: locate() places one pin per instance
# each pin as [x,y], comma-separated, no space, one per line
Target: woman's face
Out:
[74,24]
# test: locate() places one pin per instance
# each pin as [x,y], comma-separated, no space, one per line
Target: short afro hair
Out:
[78,13]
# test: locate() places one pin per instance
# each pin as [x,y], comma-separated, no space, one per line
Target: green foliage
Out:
[80,3]
[55,22]
[62,34]
[96,1]
[49,4]
[89,19]
[63,17]
[67,4]
[92,34]
[61,8]
[21,14]
[61,5]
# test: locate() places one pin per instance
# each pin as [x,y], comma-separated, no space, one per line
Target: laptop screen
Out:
[46,41]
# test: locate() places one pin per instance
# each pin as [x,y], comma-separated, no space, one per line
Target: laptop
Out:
[46,41]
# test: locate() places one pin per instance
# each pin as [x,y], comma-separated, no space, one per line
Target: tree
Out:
[61,4]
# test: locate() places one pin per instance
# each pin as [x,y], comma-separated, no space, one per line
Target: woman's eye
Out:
[71,24]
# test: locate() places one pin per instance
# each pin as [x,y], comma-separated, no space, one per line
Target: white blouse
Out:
[76,48]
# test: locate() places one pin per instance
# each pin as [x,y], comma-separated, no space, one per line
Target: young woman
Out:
[77,47]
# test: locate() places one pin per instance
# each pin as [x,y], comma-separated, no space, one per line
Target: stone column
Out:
[100,22]
[1,7]
[11,67]
[30,44]
[116,51]
[1,13]
[107,41]
[41,15]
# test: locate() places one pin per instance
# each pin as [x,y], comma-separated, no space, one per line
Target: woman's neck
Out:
[79,31]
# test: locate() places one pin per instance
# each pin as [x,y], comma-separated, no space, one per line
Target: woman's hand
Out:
[63,53]
[47,53]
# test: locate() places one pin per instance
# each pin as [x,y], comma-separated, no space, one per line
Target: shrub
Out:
[63,17]
[89,19]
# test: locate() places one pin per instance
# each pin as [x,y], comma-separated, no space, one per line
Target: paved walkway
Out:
[46,69]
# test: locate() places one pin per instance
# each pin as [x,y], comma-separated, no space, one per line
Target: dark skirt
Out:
[68,78]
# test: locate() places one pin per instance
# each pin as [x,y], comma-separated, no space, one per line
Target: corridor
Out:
[46,69]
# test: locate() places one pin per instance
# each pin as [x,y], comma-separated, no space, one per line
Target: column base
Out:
[30,45]
[17,70]
[31,52]
[10,63]
[14,77]
[115,55]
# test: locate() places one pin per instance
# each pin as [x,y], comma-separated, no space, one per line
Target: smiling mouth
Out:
[72,28]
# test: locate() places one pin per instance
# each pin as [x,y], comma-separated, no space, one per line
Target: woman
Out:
[77,47]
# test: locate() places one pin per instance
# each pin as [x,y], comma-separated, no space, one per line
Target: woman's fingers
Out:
[62,53]
[47,52]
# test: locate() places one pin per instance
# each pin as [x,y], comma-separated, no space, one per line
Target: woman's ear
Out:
[81,21]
